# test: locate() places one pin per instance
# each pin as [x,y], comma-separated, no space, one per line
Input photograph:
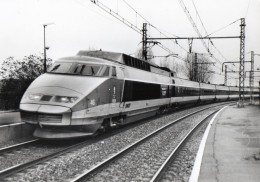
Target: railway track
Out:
[22,156]
[169,169]
[17,146]
[104,170]
[11,173]
[13,168]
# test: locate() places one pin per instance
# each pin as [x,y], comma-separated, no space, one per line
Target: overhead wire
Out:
[199,16]
[161,33]
[150,22]
[223,28]
[134,27]
[137,13]
[116,15]
[138,30]
[83,5]
[218,31]
[248,4]
[207,35]
[186,11]
[196,28]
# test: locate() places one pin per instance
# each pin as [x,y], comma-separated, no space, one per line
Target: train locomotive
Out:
[96,90]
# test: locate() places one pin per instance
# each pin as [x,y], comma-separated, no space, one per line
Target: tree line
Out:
[17,75]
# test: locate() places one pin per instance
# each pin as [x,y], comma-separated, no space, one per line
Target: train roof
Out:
[85,58]
[126,60]
[112,56]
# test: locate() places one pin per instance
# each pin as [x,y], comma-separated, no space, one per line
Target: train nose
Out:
[45,114]
[48,106]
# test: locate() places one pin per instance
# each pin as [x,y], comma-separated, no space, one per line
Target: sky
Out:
[81,25]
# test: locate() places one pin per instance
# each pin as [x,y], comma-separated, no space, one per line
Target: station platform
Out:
[232,147]
[9,117]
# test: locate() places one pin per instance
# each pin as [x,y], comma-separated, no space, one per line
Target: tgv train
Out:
[95,90]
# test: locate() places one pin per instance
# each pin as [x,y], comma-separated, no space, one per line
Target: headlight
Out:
[65,99]
[35,97]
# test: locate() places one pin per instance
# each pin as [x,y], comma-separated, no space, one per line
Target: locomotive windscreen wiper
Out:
[92,70]
[55,68]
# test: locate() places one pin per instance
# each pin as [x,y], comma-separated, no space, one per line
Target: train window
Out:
[55,67]
[184,91]
[113,71]
[164,91]
[60,67]
[142,65]
[106,71]
[146,66]
[135,91]
[90,70]
[130,62]
[135,63]
[127,61]
[79,69]
[173,91]
[180,91]
[202,91]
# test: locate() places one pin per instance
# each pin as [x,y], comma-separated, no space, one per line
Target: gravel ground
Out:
[68,166]
[30,152]
[149,156]
[16,141]
[180,169]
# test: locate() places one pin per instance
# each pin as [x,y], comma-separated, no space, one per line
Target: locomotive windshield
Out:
[80,69]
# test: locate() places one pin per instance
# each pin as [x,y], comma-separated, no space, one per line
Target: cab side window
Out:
[106,71]
[113,71]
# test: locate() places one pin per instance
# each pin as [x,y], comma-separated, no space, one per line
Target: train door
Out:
[121,76]
[116,86]
[113,87]
[173,94]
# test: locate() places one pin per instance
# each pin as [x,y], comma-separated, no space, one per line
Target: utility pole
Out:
[251,78]
[242,64]
[45,48]
[195,72]
[190,57]
[44,51]
[144,41]
[225,79]
[190,45]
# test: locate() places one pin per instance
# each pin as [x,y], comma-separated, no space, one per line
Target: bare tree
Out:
[173,64]
[198,68]
[139,54]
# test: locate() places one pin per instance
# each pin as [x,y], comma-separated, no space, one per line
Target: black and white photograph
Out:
[129,90]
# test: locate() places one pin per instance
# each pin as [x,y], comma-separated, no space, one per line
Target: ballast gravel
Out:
[68,166]
[181,167]
[8,143]
[30,152]
[143,162]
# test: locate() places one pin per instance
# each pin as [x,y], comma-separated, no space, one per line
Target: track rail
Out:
[13,147]
[20,167]
[88,173]
[171,157]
